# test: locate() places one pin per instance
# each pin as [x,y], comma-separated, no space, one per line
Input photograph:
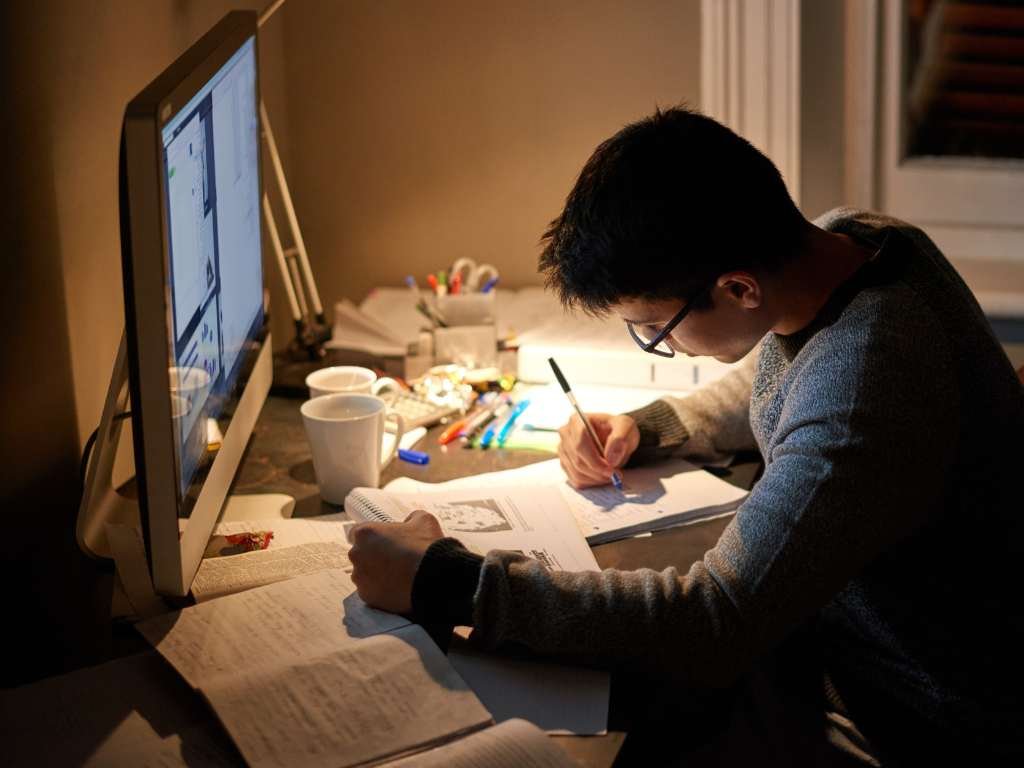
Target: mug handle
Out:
[385,384]
[399,431]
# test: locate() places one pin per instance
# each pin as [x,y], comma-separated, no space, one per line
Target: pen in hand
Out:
[564,383]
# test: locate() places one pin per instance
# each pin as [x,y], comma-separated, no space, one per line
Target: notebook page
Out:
[531,520]
[299,618]
[219,576]
[384,695]
[294,669]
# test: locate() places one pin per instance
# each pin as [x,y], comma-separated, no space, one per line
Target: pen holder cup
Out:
[474,346]
[467,308]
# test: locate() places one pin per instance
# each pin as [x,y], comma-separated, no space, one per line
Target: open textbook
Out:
[303,673]
[533,521]
[657,496]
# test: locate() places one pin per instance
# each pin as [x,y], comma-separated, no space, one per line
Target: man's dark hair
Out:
[664,207]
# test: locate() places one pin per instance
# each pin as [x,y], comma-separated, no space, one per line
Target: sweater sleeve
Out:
[711,424]
[853,464]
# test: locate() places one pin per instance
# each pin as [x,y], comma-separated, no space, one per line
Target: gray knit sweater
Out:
[888,517]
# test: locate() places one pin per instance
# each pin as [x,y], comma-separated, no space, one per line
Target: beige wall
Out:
[69,68]
[421,132]
[412,133]
[821,107]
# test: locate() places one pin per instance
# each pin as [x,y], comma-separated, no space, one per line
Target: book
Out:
[533,521]
[303,673]
[658,496]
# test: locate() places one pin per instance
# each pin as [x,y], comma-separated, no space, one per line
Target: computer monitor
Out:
[198,354]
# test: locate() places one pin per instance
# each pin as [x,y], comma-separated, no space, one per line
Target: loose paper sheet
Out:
[555,697]
[291,532]
[656,496]
[219,576]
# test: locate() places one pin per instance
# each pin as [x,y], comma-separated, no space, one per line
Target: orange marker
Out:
[452,432]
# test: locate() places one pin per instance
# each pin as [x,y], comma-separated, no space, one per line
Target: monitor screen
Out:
[215,280]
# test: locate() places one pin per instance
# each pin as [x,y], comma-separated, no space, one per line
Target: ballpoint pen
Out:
[511,421]
[564,383]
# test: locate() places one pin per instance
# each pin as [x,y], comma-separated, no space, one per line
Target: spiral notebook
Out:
[534,521]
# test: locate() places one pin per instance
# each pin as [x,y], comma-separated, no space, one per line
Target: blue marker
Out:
[489,285]
[413,457]
[507,427]
[490,432]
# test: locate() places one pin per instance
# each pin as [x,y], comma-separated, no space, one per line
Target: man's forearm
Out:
[711,424]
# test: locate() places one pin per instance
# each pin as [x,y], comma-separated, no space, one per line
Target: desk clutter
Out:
[412,328]
[279,635]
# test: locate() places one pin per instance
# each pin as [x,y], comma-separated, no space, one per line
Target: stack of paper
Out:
[354,329]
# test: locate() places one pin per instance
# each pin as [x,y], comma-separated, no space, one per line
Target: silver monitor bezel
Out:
[173,555]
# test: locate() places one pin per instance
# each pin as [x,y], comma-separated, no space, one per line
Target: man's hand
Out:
[385,557]
[584,466]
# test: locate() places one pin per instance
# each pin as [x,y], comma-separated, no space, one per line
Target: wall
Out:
[422,132]
[69,68]
[821,107]
[412,133]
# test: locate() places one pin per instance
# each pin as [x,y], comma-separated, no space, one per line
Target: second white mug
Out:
[349,379]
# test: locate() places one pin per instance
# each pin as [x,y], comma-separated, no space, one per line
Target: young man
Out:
[885,532]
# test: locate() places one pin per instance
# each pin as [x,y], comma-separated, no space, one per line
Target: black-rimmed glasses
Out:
[651,338]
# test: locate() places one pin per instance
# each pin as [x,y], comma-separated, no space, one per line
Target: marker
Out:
[442,282]
[507,427]
[489,433]
[413,457]
[432,282]
[456,283]
[489,285]
[564,383]
[480,420]
[452,432]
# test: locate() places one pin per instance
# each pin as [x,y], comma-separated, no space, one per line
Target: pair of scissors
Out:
[474,276]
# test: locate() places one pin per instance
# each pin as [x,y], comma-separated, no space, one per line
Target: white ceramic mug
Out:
[349,379]
[346,435]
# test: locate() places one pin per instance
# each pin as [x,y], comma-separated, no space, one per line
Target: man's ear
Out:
[742,288]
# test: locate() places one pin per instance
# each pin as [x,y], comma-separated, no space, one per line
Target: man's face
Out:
[727,331]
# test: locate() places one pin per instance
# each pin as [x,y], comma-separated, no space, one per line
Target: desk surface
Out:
[141,693]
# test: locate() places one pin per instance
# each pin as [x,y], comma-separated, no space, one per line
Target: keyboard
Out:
[416,410]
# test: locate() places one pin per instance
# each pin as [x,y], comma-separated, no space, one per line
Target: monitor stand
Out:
[102,504]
